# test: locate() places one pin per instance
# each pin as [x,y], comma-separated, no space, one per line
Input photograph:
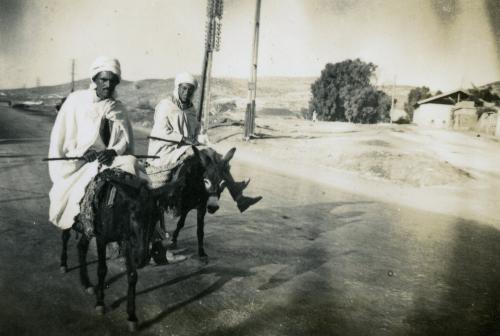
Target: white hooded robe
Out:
[75,131]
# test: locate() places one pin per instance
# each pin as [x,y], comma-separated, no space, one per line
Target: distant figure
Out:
[175,120]
[315,116]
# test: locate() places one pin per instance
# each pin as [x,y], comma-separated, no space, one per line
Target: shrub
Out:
[344,93]
[480,96]
[306,113]
[415,95]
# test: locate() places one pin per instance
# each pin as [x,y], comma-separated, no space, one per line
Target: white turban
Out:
[186,77]
[182,78]
[105,64]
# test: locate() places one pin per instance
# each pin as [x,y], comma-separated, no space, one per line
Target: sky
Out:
[443,44]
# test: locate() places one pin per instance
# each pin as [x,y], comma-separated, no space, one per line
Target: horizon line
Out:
[387,83]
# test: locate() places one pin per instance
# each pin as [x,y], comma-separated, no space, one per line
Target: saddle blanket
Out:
[84,221]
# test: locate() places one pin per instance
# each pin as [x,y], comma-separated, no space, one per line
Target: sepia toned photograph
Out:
[250,167]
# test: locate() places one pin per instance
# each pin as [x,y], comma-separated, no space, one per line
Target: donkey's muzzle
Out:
[212,204]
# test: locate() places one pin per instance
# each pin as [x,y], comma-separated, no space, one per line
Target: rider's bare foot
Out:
[175,258]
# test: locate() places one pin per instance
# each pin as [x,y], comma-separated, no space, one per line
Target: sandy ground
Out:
[442,171]
[340,245]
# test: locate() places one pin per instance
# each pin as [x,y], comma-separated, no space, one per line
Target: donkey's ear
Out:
[204,158]
[229,155]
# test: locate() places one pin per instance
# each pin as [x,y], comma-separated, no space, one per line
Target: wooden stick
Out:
[81,158]
[161,139]
[63,158]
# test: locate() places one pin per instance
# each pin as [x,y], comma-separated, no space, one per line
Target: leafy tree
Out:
[415,95]
[480,96]
[368,106]
[344,93]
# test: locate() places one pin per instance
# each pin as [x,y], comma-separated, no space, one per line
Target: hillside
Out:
[276,96]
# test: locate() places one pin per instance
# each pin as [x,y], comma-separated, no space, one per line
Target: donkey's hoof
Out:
[132,326]
[158,253]
[203,259]
[63,269]
[90,290]
[99,310]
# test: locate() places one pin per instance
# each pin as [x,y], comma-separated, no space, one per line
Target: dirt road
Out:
[308,260]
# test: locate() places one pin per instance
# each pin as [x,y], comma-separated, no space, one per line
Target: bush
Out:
[415,95]
[224,106]
[306,113]
[480,96]
[368,106]
[344,93]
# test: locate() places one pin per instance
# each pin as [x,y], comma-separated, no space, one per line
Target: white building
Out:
[437,111]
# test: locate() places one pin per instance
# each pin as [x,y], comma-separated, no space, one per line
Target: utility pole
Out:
[212,43]
[72,75]
[252,84]
[392,100]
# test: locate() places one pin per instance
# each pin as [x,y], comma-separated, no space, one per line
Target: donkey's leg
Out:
[83,247]
[64,254]
[180,225]
[102,269]
[161,229]
[132,281]
[200,229]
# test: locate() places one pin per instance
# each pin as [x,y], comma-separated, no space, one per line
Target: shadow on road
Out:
[224,275]
[15,156]
[17,199]
[25,140]
[469,287]
[268,237]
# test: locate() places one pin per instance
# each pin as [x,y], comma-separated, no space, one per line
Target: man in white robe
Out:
[94,126]
[176,120]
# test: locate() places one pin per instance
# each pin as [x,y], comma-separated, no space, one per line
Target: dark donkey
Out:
[203,175]
[130,221]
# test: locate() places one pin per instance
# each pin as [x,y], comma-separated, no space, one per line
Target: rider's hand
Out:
[106,157]
[90,155]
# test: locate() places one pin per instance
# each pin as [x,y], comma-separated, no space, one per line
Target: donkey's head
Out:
[215,170]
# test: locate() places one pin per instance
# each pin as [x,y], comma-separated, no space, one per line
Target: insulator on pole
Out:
[210,7]
[219,8]
[218,35]
[207,32]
